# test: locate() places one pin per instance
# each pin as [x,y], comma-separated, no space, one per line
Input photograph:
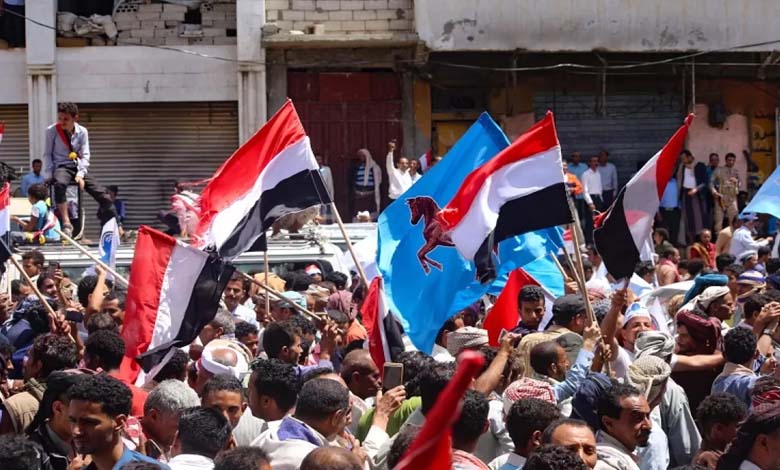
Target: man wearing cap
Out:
[749,259]
[464,338]
[314,272]
[568,315]
[742,240]
[222,356]
[724,186]
[697,335]
[650,375]
[637,319]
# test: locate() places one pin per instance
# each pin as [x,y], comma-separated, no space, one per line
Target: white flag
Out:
[109,243]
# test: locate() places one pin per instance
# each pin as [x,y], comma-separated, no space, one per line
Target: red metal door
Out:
[344,112]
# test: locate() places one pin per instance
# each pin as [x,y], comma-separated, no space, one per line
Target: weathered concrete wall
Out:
[584,25]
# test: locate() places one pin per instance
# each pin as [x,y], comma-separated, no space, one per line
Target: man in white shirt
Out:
[203,433]
[609,178]
[591,191]
[400,179]
[742,240]
[233,294]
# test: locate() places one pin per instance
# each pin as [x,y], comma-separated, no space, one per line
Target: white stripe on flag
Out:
[293,159]
[640,202]
[512,181]
[5,221]
[381,315]
[181,273]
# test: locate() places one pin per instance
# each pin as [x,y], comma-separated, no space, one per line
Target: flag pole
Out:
[267,268]
[343,229]
[93,257]
[578,261]
[281,296]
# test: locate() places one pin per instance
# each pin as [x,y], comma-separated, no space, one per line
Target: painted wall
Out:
[13,77]
[733,137]
[133,74]
[585,25]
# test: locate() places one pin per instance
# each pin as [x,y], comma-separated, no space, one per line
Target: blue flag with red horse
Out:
[427,281]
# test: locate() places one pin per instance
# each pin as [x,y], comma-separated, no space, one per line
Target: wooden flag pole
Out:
[267,268]
[281,296]
[94,258]
[358,266]
[578,262]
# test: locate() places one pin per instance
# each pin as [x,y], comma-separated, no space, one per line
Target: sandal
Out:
[67,229]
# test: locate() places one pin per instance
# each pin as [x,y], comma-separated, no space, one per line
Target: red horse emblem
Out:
[434,233]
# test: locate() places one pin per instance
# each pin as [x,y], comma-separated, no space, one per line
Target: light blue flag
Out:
[423,301]
[767,199]
[533,252]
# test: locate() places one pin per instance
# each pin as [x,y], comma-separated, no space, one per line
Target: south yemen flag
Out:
[625,228]
[519,190]
[273,174]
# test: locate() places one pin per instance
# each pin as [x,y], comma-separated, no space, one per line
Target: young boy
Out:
[66,159]
[40,227]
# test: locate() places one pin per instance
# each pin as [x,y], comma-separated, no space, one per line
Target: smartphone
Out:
[74,316]
[53,267]
[392,375]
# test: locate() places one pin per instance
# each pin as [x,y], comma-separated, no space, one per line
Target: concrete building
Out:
[619,76]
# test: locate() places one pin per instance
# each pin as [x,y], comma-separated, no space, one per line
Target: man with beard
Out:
[625,425]
[98,411]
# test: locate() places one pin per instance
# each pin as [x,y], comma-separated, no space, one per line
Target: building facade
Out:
[174,92]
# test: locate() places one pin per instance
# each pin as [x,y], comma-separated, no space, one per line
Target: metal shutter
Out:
[15,148]
[634,129]
[145,148]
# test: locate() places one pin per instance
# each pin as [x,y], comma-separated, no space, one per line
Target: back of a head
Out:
[724,260]
[401,444]
[20,453]
[543,355]
[739,345]
[224,319]
[277,336]
[278,380]
[337,278]
[170,397]
[114,397]
[242,458]
[106,347]
[473,418]
[527,416]
[753,305]
[331,458]
[414,363]
[101,321]
[320,398]
[55,352]
[203,431]
[433,380]
[763,420]
[553,457]
[141,465]
[176,368]
[609,402]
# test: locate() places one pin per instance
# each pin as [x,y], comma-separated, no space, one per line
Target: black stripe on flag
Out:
[201,309]
[614,241]
[294,194]
[394,334]
[5,251]
[547,207]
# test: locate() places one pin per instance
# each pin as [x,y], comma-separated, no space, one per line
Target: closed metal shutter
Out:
[635,128]
[145,148]
[15,148]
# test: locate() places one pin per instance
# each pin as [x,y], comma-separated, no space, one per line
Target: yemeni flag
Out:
[505,314]
[432,448]
[174,291]
[5,222]
[426,160]
[273,174]
[385,334]
[521,189]
[624,229]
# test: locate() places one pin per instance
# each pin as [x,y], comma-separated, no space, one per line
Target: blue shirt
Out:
[28,180]
[670,198]
[41,211]
[131,456]
[577,170]
[737,384]
[359,176]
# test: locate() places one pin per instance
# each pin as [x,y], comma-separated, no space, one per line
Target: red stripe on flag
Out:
[372,319]
[537,139]
[2,130]
[668,158]
[153,251]
[240,172]
[505,313]
[431,449]
[5,196]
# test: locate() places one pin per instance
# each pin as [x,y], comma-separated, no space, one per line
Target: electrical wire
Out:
[466,66]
